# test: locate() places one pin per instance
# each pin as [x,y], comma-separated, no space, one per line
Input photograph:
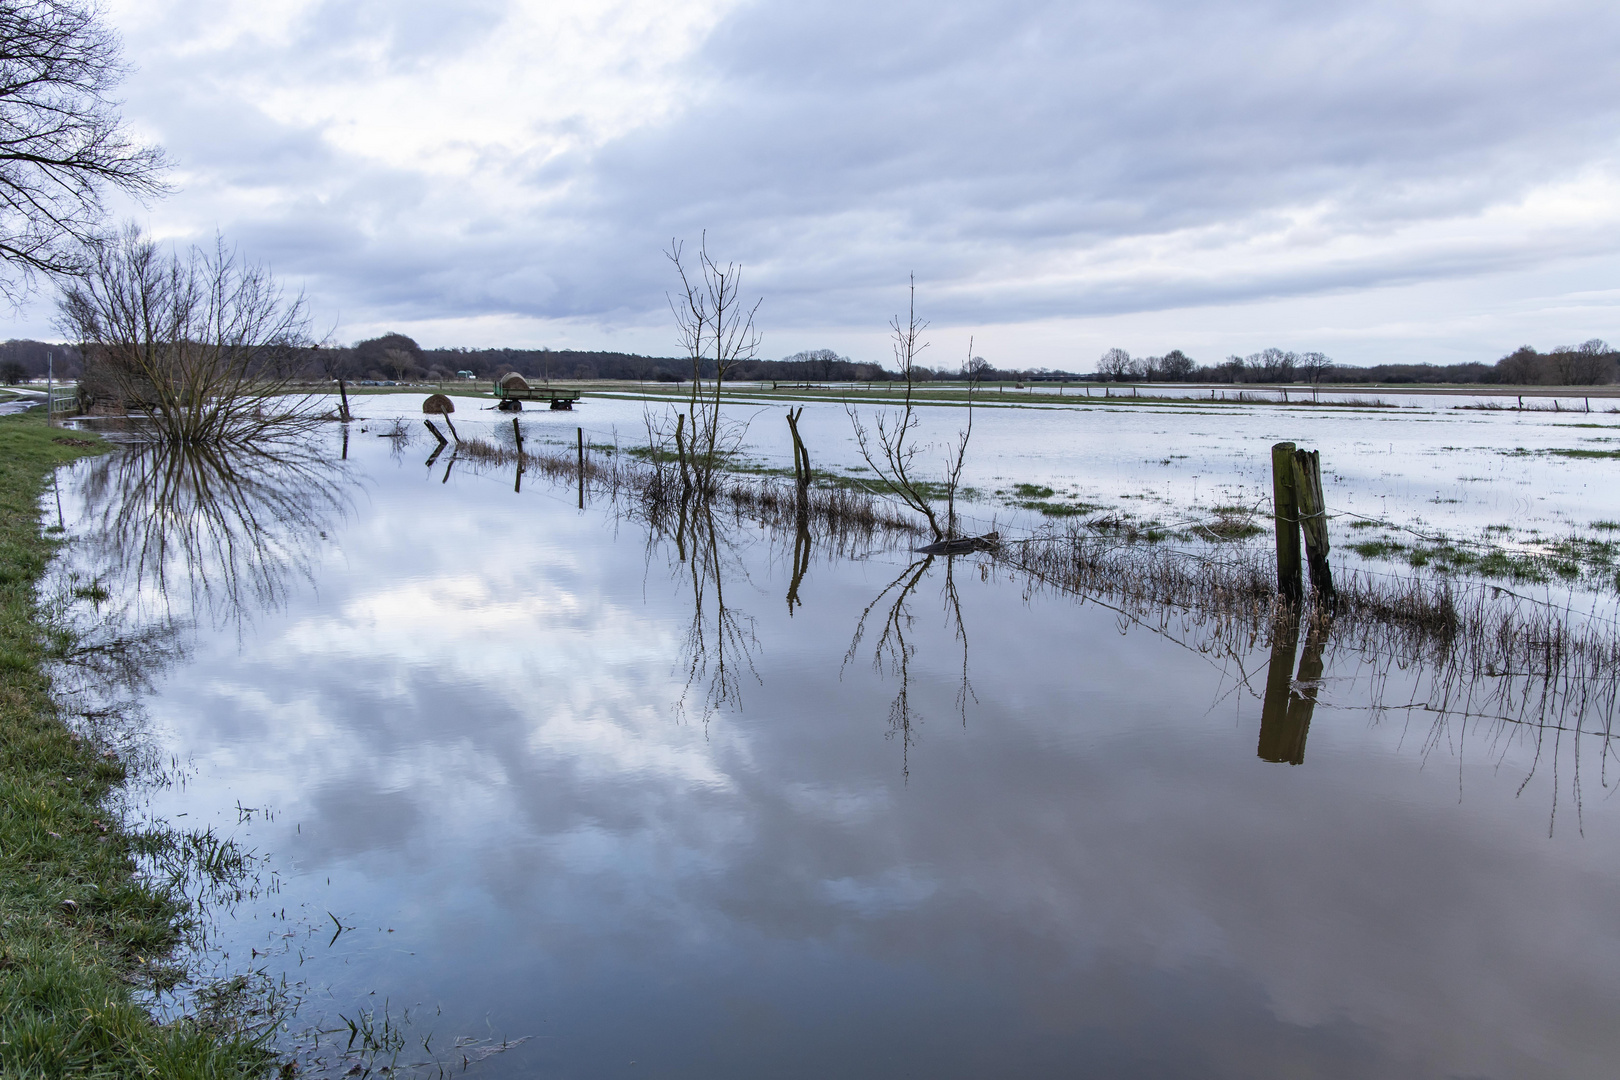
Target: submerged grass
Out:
[1487,650]
[768,498]
[77,925]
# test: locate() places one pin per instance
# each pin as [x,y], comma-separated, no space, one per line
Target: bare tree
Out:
[205,343]
[62,142]
[715,324]
[890,448]
[1314,365]
[1522,365]
[1115,364]
[1271,365]
[1587,364]
[1176,366]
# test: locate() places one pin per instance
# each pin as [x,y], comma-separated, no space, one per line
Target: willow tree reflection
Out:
[197,530]
[165,536]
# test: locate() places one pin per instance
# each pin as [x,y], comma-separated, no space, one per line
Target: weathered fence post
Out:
[517,436]
[343,392]
[436,435]
[801,456]
[1290,581]
[1311,509]
[580,435]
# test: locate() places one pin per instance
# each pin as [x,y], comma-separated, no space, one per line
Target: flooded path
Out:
[598,801]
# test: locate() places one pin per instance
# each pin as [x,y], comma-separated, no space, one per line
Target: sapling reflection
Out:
[894,650]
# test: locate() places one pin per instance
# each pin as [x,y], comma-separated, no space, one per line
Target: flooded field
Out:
[530,789]
[1430,481]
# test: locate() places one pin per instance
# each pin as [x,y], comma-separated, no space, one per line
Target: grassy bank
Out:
[76,926]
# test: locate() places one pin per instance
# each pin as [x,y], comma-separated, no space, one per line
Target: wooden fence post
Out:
[436,435]
[517,436]
[1290,583]
[1311,509]
[343,392]
[580,435]
[801,456]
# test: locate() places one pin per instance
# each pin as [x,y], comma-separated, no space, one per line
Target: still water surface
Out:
[560,788]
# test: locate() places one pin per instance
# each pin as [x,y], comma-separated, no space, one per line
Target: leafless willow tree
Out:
[715,323]
[62,141]
[891,448]
[204,342]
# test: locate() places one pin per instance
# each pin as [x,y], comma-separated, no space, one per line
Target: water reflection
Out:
[1094,861]
[718,648]
[894,650]
[218,531]
[1285,717]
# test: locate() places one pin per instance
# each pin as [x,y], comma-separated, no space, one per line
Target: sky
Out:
[1404,181]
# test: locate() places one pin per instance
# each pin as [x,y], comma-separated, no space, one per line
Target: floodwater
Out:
[546,791]
[1430,463]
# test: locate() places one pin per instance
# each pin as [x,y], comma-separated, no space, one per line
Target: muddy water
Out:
[593,809]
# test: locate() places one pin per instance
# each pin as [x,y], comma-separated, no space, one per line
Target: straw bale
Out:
[438,404]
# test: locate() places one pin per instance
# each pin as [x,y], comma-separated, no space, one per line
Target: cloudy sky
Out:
[1385,181]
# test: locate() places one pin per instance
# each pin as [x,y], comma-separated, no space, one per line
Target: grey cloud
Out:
[837,147]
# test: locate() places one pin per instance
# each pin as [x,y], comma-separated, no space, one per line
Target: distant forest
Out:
[397,358]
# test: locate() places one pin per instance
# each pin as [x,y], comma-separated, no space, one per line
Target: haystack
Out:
[438,404]
[513,381]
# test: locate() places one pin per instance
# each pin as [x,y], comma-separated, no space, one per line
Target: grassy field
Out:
[77,927]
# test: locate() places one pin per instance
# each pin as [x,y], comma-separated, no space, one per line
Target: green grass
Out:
[1577,453]
[77,927]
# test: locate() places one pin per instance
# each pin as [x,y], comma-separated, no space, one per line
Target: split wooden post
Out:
[343,392]
[1290,581]
[1311,509]
[436,435]
[801,456]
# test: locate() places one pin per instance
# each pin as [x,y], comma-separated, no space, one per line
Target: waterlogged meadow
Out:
[476,777]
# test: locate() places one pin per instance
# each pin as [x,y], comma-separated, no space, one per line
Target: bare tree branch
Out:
[62,140]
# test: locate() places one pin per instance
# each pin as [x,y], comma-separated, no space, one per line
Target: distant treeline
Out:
[1591,363]
[395,357]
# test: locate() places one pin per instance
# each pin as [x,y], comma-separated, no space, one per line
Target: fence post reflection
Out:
[1290,702]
